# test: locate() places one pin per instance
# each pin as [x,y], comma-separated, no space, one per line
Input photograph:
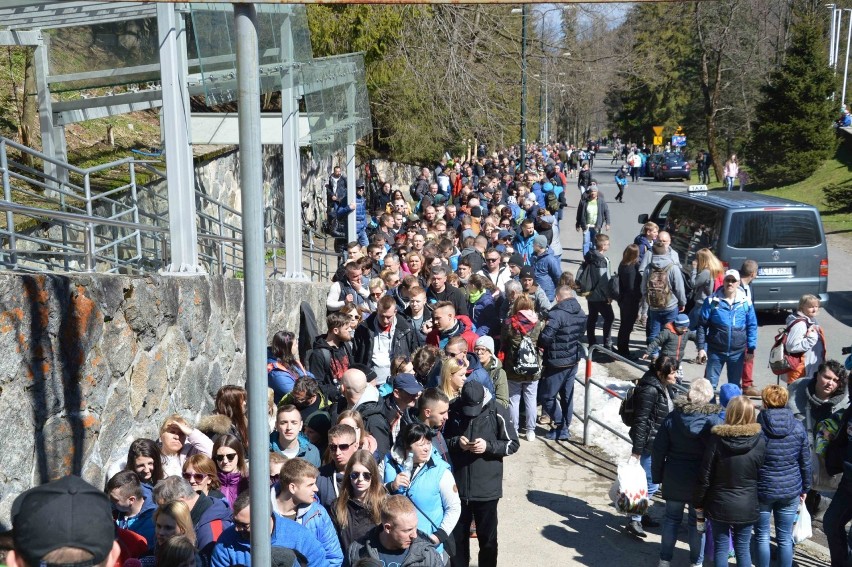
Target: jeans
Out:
[529,391]
[589,239]
[785,515]
[363,240]
[671,523]
[558,382]
[729,183]
[834,522]
[645,461]
[657,319]
[742,543]
[734,363]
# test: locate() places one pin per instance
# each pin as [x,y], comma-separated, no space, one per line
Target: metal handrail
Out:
[588,382]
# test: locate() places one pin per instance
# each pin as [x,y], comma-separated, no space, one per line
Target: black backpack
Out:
[627,411]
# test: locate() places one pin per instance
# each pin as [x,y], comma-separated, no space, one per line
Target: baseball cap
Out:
[68,512]
[732,274]
[282,557]
[472,395]
[407,383]
[526,272]
[505,234]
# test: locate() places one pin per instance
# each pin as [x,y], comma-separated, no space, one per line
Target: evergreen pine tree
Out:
[793,133]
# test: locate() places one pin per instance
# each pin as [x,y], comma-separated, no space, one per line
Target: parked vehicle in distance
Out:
[784,237]
[673,166]
[652,163]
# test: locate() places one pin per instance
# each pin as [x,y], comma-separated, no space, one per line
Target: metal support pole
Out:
[350,167]
[831,34]
[175,121]
[846,63]
[52,138]
[839,14]
[292,206]
[251,184]
[587,404]
[524,88]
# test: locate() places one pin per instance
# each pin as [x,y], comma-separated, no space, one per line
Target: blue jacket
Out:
[560,338]
[232,549]
[484,315]
[214,520]
[727,328]
[307,450]
[679,447]
[537,189]
[142,523]
[424,492]
[786,470]
[547,271]
[361,216]
[524,247]
[316,519]
[644,243]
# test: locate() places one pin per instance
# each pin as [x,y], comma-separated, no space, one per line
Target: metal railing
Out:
[587,381]
[90,219]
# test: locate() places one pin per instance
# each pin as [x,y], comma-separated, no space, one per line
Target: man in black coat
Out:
[383,420]
[560,340]
[382,336]
[479,434]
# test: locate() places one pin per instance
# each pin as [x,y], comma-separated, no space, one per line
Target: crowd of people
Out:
[449,323]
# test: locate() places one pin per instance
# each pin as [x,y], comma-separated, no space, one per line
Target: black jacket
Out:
[403,342]
[480,477]
[651,410]
[328,363]
[560,338]
[451,294]
[378,421]
[326,489]
[584,178]
[419,336]
[629,284]
[679,448]
[603,213]
[597,262]
[727,480]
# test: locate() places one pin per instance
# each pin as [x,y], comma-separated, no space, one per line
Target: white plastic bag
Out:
[802,528]
[629,492]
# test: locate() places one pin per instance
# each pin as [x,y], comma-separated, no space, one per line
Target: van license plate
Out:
[787,271]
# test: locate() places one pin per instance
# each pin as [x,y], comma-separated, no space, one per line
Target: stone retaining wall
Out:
[90,362]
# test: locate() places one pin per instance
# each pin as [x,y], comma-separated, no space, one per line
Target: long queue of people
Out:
[449,322]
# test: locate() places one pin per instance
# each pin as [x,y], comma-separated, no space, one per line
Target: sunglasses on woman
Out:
[366,475]
[197,477]
[229,456]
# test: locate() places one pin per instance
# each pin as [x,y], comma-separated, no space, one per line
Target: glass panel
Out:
[337,102]
[95,52]
[692,227]
[283,39]
[770,229]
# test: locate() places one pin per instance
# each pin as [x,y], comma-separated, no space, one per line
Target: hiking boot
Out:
[559,434]
[751,392]
[544,419]
[634,528]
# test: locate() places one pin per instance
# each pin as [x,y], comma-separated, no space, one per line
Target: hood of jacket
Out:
[739,439]
[810,392]
[661,260]
[691,418]
[493,364]
[799,315]
[484,300]
[524,321]
[371,394]
[777,423]
[215,423]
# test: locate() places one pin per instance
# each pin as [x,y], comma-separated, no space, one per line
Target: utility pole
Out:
[524,88]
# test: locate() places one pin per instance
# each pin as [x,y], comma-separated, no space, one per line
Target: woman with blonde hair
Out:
[363,439]
[173,518]
[707,276]
[727,487]
[453,376]
[179,440]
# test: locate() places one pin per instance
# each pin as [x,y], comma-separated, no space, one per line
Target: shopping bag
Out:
[629,493]
[802,528]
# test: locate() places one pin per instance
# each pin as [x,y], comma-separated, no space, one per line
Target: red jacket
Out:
[465,326]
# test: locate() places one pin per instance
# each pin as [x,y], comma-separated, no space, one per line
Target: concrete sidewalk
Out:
[556,511]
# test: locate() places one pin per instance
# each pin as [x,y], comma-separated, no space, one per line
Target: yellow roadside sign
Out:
[658,131]
[658,140]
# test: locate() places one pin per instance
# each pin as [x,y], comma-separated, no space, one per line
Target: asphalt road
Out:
[641,197]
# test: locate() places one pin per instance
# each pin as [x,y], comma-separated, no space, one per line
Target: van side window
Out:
[774,228]
[693,226]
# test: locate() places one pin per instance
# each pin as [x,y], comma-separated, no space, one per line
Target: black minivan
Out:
[785,237]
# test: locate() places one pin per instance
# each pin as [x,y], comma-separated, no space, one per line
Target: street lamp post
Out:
[523,88]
